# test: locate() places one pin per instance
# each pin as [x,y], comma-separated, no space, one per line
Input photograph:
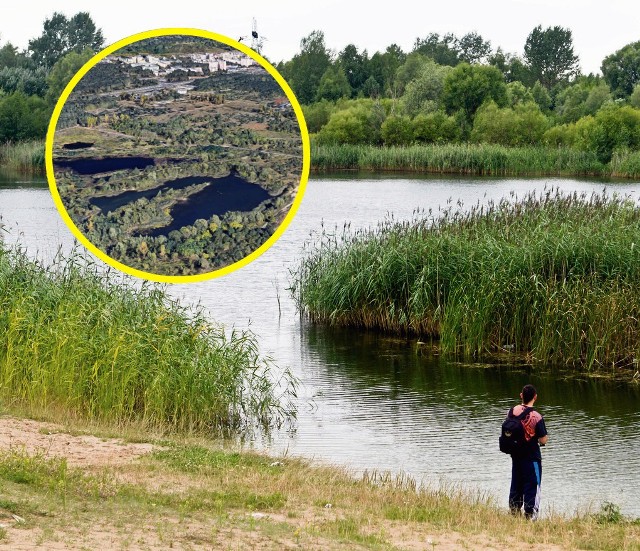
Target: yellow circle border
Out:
[304,176]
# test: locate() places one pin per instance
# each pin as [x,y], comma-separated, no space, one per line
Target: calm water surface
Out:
[368,401]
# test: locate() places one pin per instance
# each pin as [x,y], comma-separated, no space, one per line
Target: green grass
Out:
[23,157]
[553,276]
[479,159]
[190,494]
[78,340]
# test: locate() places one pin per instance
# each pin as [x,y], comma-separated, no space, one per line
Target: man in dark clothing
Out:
[526,464]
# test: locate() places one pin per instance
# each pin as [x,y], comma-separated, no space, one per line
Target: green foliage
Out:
[581,99]
[481,159]
[423,92]
[621,70]
[304,70]
[62,35]
[435,128]
[613,127]
[396,130]
[317,115]
[11,58]
[333,85]
[549,54]
[31,82]
[409,71]
[443,51]
[23,117]
[358,122]
[634,98]
[523,124]
[63,71]
[76,339]
[518,93]
[355,66]
[472,48]
[467,87]
[383,68]
[542,97]
[553,275]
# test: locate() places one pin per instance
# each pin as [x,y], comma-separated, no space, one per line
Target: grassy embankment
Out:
[553,276]
[79,341]
[473,159]
[191,494]
[23,157]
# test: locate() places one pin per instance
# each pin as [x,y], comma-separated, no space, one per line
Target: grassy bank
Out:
[23,157]
[477,159]
[553,276]
[195,494]
[78,339]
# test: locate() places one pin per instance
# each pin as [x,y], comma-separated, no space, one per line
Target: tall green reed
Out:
[480,159]
[552,275]
[76,338]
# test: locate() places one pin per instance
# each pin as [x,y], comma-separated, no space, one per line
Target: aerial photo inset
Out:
[177,155]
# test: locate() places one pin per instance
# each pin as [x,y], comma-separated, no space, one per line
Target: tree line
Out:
[458,89]
[31,80]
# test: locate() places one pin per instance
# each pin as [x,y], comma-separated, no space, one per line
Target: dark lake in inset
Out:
[77,145]
[105,164]
[228,193]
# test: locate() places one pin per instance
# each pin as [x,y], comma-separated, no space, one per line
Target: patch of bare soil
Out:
[80,451]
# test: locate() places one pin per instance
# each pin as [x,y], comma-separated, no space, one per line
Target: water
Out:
[368,401]
[104,164]
[222,195]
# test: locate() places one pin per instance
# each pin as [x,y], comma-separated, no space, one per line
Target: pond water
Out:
[104,164]
[225,194]
[367,400]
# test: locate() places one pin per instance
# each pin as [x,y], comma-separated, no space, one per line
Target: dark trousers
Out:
[526,476]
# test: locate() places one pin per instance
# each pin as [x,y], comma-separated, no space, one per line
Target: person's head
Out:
[528,393]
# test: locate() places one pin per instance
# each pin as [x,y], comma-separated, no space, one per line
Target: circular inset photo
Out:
[177,155]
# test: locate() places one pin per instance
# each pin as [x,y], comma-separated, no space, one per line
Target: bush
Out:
[397,130]
[435,128]
[523,124]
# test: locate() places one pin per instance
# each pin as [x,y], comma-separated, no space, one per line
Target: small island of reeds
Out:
[552,276]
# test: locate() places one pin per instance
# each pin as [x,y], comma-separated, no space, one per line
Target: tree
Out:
[621,70]
[23,118]
[62,35]
[467,87]
[472,48]
[10,57]
[423,92]
[523,124]
[355,67]
[383,67]
[397,130]
[63,71]
[305,69]
[443,51]
[333,85]
[549,55]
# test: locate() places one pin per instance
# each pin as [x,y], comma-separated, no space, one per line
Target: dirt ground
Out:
[234,530]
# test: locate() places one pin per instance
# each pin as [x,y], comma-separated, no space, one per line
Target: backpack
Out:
[512,439]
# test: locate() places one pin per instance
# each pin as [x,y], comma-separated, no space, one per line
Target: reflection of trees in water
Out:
[366,359]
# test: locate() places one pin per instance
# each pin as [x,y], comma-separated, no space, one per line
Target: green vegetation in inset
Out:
[552,276]
[74,338]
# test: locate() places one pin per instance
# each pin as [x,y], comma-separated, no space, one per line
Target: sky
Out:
[599,28]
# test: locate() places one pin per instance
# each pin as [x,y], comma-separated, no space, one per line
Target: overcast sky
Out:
[599,28]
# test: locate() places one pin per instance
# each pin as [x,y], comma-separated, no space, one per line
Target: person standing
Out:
[526,460]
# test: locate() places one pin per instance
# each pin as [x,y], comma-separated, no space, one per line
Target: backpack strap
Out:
[524,413]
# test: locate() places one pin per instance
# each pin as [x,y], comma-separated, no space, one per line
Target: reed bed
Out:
[473,159]
[77,340]
[552,275]
[23,157]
